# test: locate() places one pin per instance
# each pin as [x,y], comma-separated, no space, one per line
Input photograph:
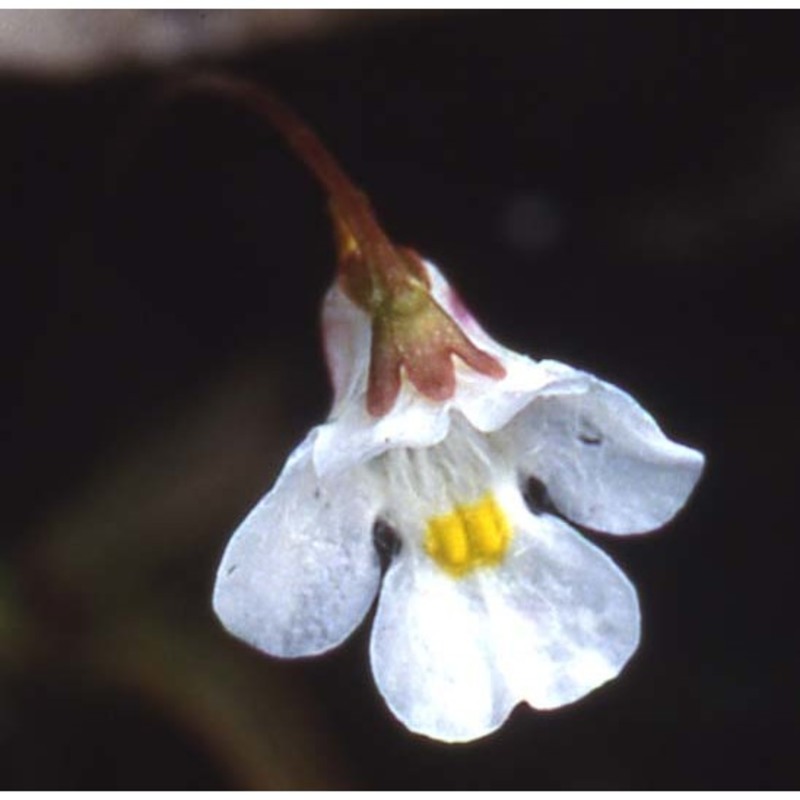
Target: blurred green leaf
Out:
[120,581]
[250,712]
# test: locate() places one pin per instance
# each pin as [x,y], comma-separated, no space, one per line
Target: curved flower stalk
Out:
[435,431]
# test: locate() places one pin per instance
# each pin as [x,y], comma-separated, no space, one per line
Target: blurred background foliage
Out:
[617,190]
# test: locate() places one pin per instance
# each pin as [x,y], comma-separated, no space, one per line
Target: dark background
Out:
[620,191]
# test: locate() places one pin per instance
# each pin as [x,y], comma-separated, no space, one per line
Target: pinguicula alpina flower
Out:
[435,433]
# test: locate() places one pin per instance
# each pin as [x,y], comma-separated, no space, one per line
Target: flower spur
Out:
[435,431]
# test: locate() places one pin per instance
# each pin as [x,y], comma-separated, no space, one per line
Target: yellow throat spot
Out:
[472,535]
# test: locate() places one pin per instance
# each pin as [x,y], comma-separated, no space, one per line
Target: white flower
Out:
[436,430]
[487,603]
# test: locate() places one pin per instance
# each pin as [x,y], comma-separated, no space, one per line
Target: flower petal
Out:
[431,653]
[346,337]
[355,437]
[604,460]
[489,403]
[555,620]
[564,618]
[300,573]
[352,436]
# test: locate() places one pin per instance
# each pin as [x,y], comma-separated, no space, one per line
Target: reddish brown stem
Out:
[349,204]
[410,331]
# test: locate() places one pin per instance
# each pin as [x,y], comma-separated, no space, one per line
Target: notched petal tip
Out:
[429,657]
[567,619]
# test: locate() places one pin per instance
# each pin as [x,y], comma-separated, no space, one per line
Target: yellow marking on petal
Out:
[472,535]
